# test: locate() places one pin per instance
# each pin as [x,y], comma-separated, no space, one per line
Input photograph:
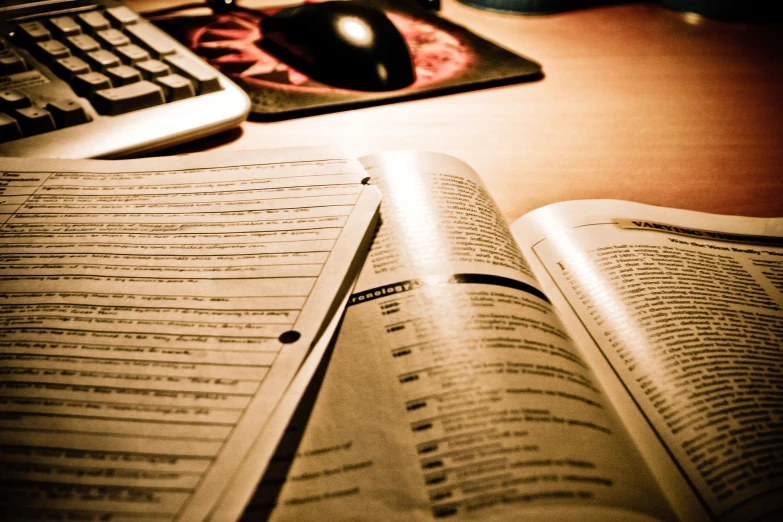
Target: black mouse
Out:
[342,44]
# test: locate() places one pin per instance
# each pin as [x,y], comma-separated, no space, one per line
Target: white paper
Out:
[153,314]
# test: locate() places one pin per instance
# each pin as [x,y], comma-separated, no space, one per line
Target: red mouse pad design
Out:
[447,58]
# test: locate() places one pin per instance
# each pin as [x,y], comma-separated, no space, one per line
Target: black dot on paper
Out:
[291,336]
[366,181]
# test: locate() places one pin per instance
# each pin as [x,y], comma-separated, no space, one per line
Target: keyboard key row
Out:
[82,53]
[88,31]
[203,78]
[113,62]
[82,45]
[91,22]
[172,87]
[19,118]
[12,100]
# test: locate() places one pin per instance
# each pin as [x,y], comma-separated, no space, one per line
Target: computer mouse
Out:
[342,44]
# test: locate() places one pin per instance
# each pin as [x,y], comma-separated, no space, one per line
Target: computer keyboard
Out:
[92,78]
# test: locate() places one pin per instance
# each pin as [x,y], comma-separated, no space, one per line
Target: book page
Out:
[684,312]
[453,391]
[154,313]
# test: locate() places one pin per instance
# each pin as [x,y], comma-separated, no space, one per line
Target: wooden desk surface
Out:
[638,103]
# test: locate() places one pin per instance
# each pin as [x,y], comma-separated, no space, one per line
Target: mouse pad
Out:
[447,59]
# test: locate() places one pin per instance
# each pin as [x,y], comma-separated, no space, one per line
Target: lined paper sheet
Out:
[152,313]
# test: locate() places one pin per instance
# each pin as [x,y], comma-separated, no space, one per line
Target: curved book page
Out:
[681,315]
[454,391]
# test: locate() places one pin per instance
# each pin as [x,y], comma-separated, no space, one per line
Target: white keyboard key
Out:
[123,75]
[83,44]
[152,69]
[203,76]
[132,54]
[89,83]
[67,113]
[9,128]
[50,50]
[69,67]
[34,120]
[101,60]
[152,39]
[30,32]
[121,16]
[128,98]
[93,21]
[175,87]
[11,63]
[112,38]
[11,99]
[63,26]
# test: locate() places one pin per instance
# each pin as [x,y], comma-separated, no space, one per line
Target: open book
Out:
[609,361]
[154,314]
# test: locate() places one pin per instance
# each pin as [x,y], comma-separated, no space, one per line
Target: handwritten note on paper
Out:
[152,313]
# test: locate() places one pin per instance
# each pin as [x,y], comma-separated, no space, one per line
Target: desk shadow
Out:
[265,497]
[206,143]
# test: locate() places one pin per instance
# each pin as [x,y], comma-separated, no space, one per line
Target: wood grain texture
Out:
[638,103]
